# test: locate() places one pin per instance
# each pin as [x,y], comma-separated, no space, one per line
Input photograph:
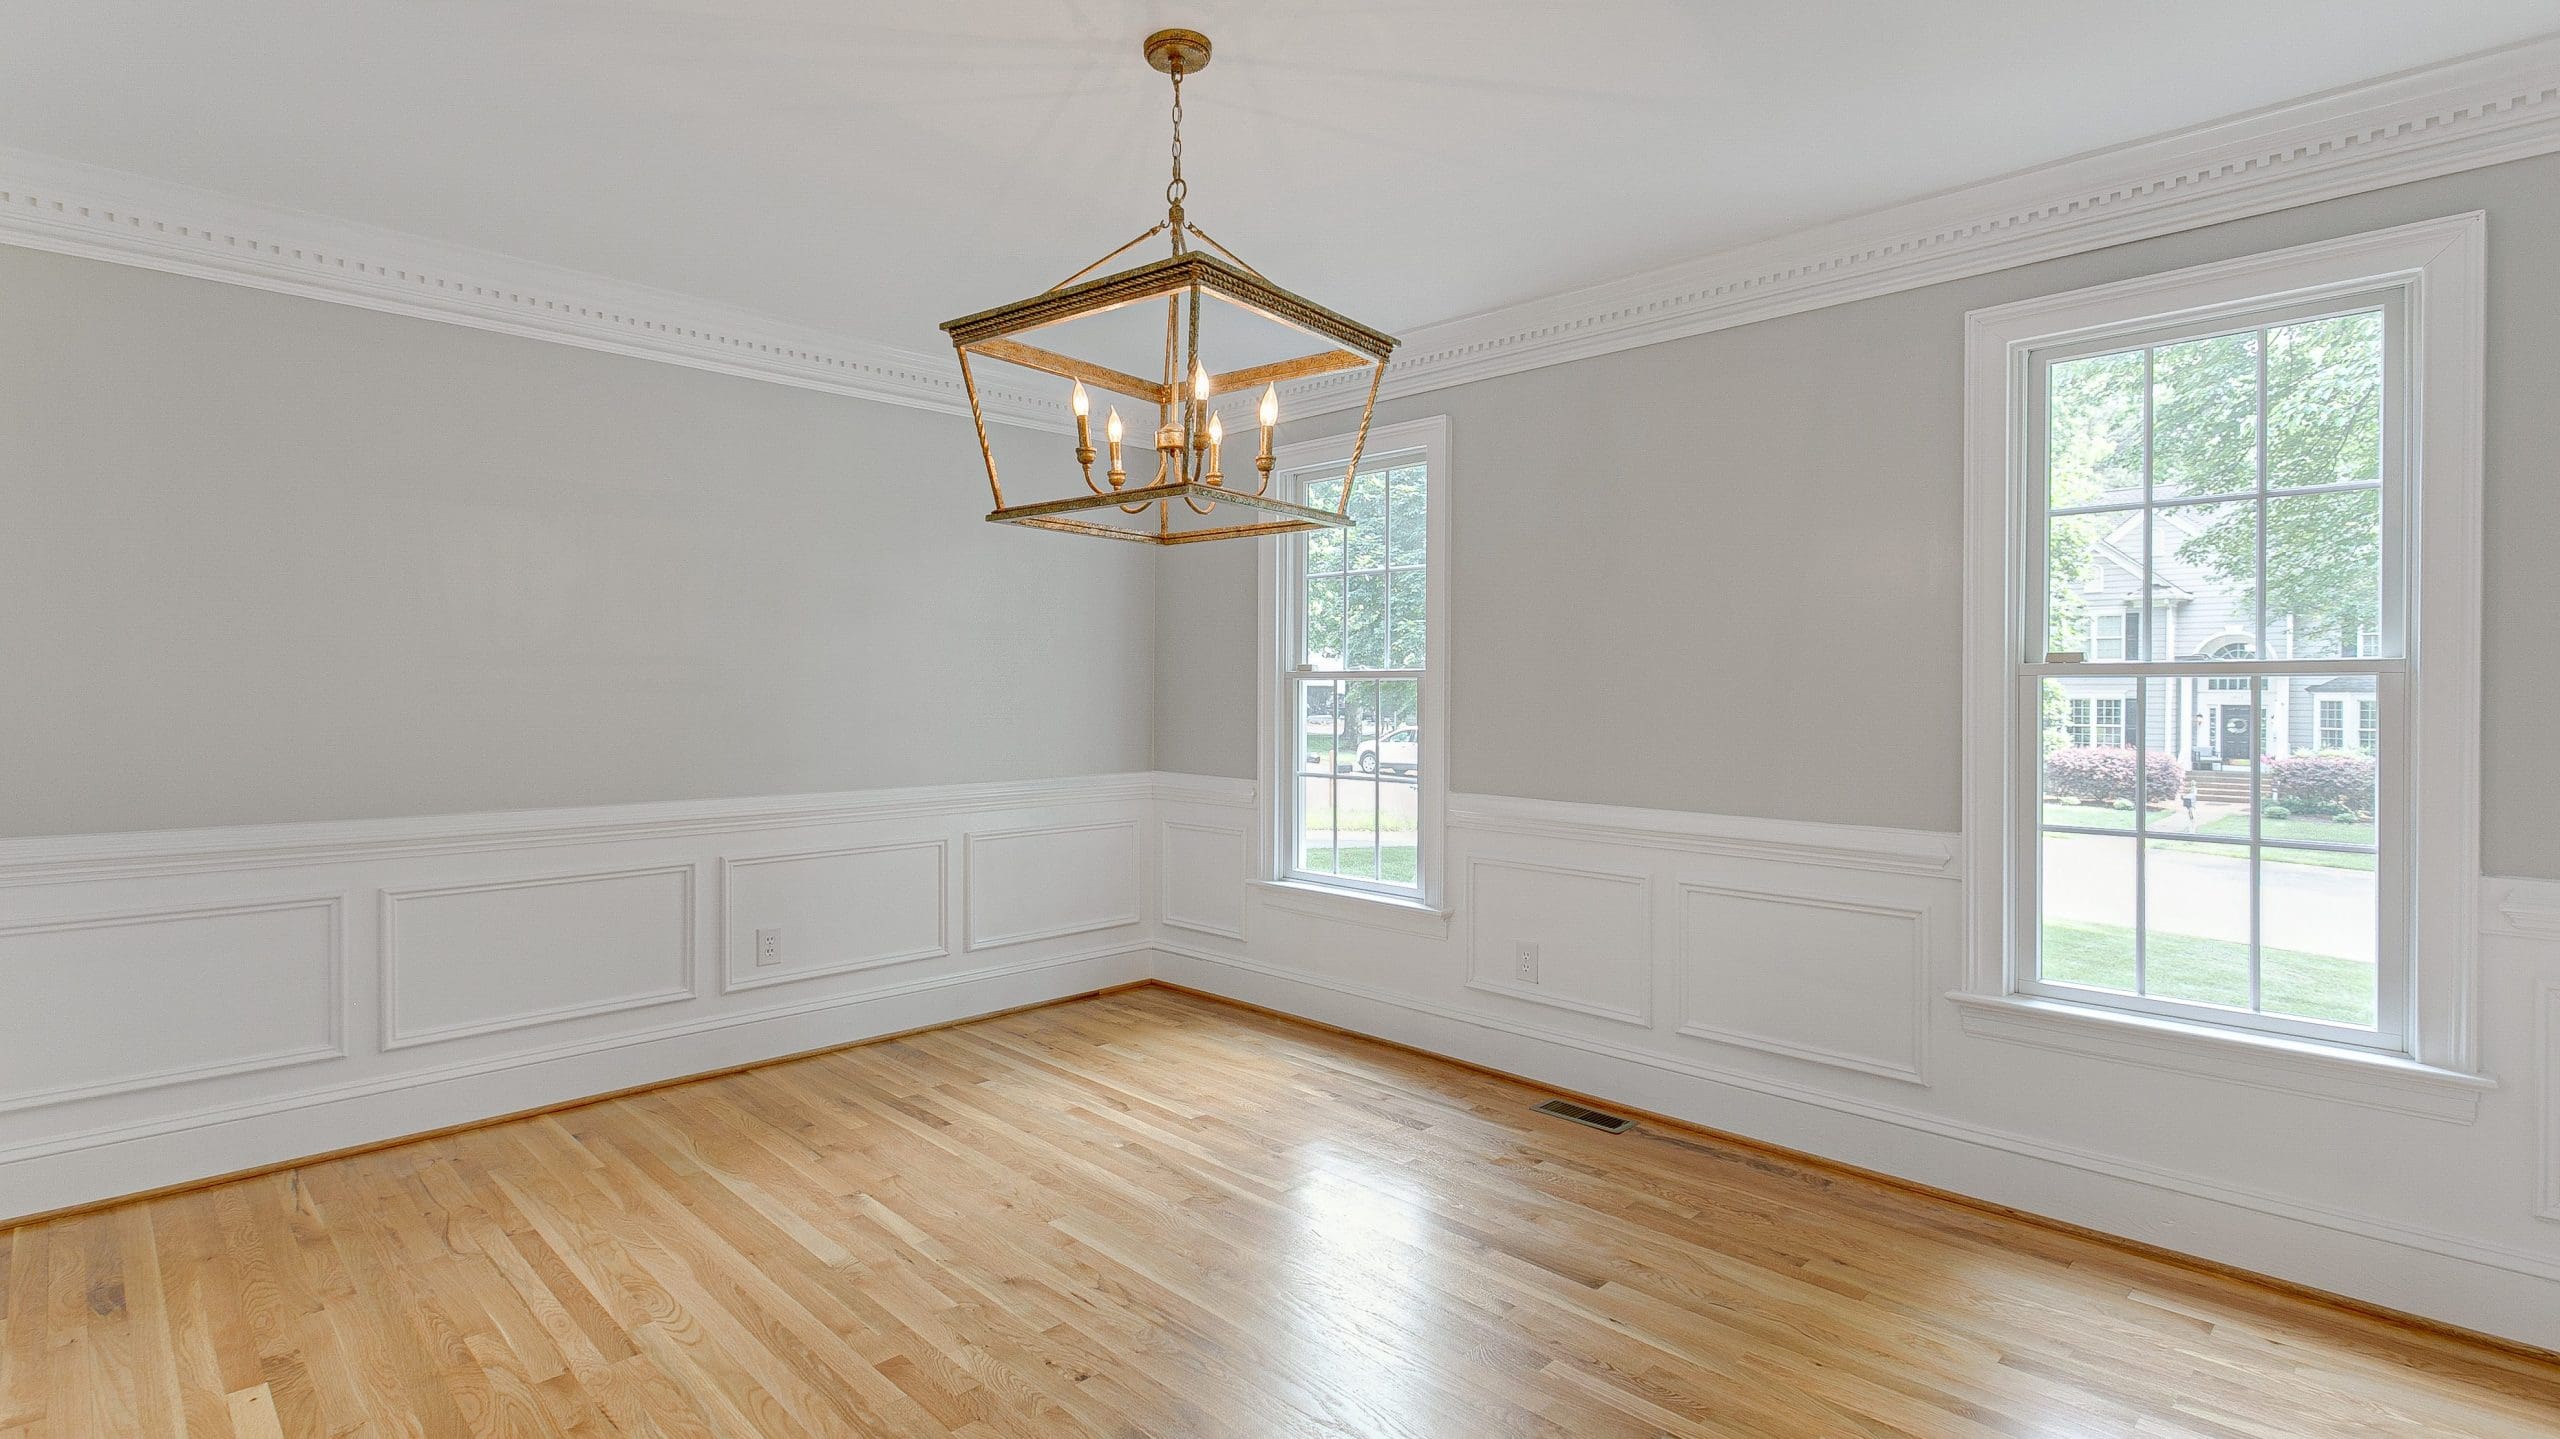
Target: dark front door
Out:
[2235,744]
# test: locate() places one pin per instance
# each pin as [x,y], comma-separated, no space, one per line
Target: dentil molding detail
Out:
[129,219]
[2484,110]
[2504,105]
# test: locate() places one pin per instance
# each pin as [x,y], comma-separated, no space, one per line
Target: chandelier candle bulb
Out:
[1199,411]
[1217,436]
[1084,429]
[1111,432]
[1270,417]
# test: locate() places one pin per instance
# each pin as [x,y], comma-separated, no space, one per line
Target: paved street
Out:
[2089,878]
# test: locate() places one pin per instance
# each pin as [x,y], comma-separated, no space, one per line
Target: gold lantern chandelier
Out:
[1188,497]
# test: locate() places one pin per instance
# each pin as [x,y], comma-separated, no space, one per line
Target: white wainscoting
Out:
[1593,929]
[836,910]
[112,1003]
[199,994]
[1049,881]
[2547,1036]
[179,1005]
[466,959]
[1834,981]
[1200,867]
[1786,981]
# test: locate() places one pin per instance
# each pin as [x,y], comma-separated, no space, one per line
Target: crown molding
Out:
[2483,110]
[102,214]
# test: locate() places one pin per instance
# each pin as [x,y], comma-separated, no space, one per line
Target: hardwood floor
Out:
[1148,1213]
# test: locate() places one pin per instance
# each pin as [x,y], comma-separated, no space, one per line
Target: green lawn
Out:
[1361,863]
[2166,825]
[1354,803]
[2092,816]
[2212,971]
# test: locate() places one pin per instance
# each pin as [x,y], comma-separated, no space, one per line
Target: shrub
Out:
[2277,811]
[2106,775]
[2330,783]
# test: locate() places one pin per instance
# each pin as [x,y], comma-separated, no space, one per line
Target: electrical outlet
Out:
[768,947]
[1525,962]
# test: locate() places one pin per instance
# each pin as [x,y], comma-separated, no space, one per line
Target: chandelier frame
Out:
[1187,433]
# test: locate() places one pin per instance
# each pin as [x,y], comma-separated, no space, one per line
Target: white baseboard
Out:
[222,1000]
[1787,982]
[217,1001]
[44,1177]
[2494,1290]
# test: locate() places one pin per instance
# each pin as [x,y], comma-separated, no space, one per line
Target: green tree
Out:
[1365,594]
[2204,416]
[1366,602]
[2093,441]
[2324,427]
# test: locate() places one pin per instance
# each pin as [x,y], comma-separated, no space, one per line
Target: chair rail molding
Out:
[62,859]
[1798,982]
[2437,120]
[1842,846]
[851,877]
[207,991]
[2526,908]
[129,219]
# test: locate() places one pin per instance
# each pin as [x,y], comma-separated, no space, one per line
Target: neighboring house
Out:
[2195,615]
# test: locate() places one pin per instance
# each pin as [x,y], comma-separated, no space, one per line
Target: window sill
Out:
[1378,911]
[2293,1066]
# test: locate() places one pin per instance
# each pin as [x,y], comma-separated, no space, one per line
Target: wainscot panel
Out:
[1788,986]
[107,1004]
[195,987]
[831,911]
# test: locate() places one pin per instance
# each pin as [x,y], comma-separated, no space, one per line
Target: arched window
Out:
[2237,649]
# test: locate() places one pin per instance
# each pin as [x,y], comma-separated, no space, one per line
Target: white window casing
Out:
[1281,607]
[2431,275]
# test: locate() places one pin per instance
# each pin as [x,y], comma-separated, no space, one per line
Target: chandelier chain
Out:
[1193,447]
[1176,188]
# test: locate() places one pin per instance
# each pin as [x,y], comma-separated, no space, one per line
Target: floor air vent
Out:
[1567,1109]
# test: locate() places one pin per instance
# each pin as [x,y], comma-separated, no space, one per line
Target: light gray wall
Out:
[1723,574]
[265,558]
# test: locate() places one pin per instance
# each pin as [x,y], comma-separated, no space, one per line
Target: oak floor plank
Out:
[1148,1213]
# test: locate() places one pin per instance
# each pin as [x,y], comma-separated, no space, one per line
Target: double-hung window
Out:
[2097,722]
[2350,723]
[2108,640]
[2235,816]
[1356,668]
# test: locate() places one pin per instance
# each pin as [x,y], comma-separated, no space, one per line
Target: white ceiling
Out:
[873,169]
